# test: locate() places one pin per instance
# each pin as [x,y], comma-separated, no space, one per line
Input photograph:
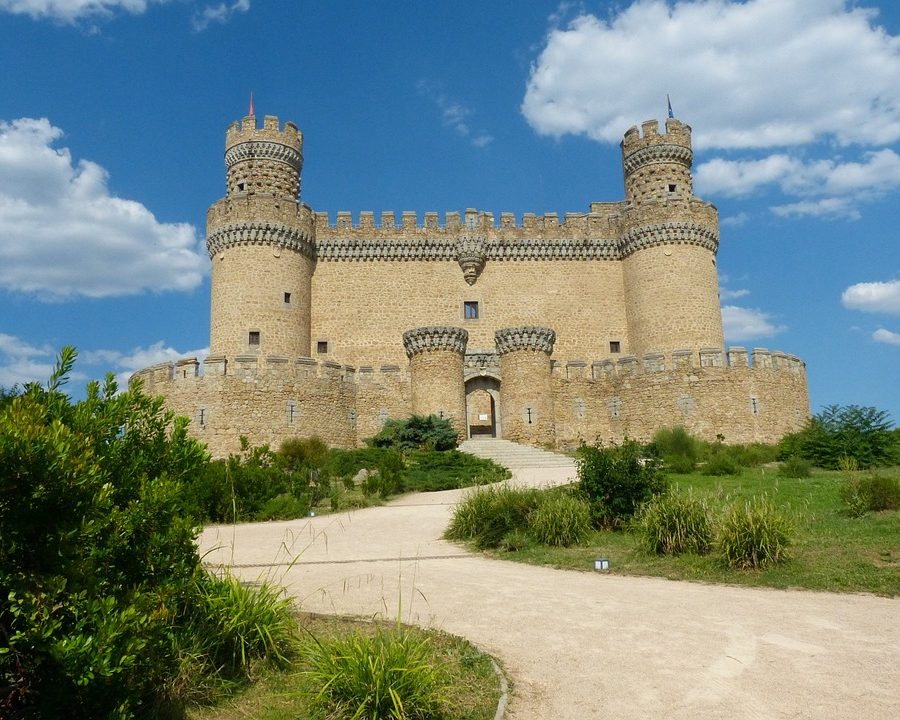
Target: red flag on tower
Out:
[251,113]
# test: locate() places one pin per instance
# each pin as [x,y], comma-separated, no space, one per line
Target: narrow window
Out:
[287,298]
[615,346]
[322,347]
[672,188]
[754,405]
[470,310]
[202,417]
[291,411]
[253,337]
[240,187]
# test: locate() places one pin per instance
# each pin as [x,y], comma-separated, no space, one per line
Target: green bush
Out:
[721,462]
[560,520]
[297,453]
[753,534]
[418,432]
[285,506]
[675,523]
[488,514]
[795,467]
[753,454]
[428,471]
[616,480]
[861,433]
[678,449]
[390,674]
[869,492]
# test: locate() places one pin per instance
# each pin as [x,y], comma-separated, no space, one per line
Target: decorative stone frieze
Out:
[539,339]
[435,337]
[285,236]
[658,154]
[260,150]
[671,233]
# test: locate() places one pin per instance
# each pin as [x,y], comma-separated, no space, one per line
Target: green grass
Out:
[830,550]
[471,692]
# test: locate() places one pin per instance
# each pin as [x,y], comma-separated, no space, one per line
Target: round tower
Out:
[669,241]
[261,242]
[526,399]
[436,359]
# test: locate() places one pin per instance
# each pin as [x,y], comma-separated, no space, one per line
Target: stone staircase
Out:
[515,456]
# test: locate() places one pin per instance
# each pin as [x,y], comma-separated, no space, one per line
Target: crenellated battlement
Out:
[677,134]
[247,130]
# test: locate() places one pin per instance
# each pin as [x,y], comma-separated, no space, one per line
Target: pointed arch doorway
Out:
[483,407]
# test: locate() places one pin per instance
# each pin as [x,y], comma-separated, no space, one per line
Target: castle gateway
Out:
[548,330]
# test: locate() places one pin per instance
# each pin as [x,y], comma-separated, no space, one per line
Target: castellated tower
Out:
[261,241]
[669,241]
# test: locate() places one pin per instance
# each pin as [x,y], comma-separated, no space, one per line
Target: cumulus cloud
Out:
[221,14]
[454,114]
[747,324]
[878,297]
[886,336]
[22,362]
[71,11]
[65,235]
[754,74]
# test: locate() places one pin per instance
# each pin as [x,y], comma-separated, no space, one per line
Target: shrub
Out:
[721,462]
[675,523]
[795,467]
[615,480]
[678,449]
[754,534]
[285,506]
[296,453]
[390,674]
[418,432]
[487,515]
[861,433]
[561,520]
[868,492]
[428,471]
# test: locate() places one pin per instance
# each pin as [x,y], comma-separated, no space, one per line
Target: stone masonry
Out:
[547,330]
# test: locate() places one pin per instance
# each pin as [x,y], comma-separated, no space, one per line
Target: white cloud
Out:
[828,208]
[746,324]
[725,294]
[754,74]
[886,336]
[22,362]
[878,297]
[454,114]
[70,11]
[220,13]
[737,220]
[64,234]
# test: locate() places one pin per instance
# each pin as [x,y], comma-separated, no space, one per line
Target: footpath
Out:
[583,645]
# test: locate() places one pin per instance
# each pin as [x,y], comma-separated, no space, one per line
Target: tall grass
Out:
[388,675]
[754,533]
[675,523]
[560,520]
[487,514]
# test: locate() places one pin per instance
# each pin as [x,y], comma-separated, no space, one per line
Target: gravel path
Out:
[584,645]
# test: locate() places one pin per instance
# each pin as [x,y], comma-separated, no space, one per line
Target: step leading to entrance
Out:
[513,455]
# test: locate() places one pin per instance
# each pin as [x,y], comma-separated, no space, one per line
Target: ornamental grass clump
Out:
[675,523]
[754,533]
[561,520]
[390,674]
[488,514]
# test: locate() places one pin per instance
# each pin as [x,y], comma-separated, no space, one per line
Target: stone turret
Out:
[526,400]
[436,360]
[261,241]
[668,241]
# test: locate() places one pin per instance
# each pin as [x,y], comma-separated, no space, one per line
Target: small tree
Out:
[852,431]
[615,480]
[417,432]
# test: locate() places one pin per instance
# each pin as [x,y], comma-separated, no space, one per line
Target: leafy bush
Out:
[418,432]
[754,534]
[861,433]
[675,523]
[678,449]
[297,453]
[867,492]
[430,471]
[721,462]
[489,514]
[285,506]
[795,467]
[616,480]
[390,674]
[561,520]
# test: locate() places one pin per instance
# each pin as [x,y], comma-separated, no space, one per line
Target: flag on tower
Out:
[251,113]
[671,114]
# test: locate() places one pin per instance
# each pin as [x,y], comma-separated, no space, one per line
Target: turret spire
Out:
[251,113]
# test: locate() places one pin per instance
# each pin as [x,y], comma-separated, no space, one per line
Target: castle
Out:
[603,323]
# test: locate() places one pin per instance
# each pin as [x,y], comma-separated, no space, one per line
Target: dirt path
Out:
[583,645]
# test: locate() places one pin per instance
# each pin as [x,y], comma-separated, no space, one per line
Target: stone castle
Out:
[548,331]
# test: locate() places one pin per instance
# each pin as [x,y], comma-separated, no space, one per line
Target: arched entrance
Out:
[483,407]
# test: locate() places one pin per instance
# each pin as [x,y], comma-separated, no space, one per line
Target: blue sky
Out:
[113,113]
